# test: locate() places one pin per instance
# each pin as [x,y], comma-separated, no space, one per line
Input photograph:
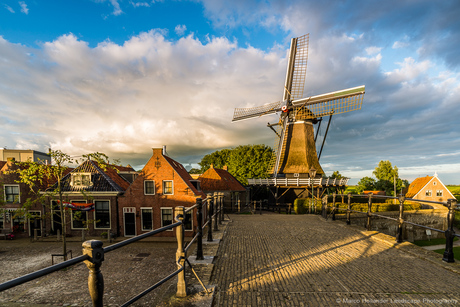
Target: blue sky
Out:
[122,77]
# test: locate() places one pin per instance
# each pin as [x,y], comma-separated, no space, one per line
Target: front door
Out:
[35,223]
[129,217]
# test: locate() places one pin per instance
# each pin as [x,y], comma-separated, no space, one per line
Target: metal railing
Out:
[449,233]
[93,253]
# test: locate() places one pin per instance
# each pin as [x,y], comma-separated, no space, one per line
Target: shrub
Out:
[300,206]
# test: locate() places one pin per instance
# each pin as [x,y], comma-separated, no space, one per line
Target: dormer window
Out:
[81,180]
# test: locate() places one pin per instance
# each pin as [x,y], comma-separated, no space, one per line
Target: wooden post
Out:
[199,217]
[210,214]
[450,233]
[349,209]
[93,248]
[216,212]
[333,206]
[369,213]
[399,235]
[180,254]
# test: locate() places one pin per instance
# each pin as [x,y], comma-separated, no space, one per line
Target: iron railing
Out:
[93,252]
[449,233]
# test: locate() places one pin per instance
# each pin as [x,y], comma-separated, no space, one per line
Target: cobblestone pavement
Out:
[291,260]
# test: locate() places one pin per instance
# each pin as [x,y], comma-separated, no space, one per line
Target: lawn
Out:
[432,242]
[456,252]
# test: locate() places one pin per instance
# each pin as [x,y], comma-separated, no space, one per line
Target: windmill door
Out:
[129,218]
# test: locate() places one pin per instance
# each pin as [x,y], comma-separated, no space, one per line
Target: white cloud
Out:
[180,29]
[410,69]
[124,99]
[139,4]
[373,50]
[24,8]
[9,8]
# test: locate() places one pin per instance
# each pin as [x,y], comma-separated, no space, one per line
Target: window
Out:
[149,187]
[434,182]
[18,221]
[168,187]
[79,218]
[102,214]
[166,216]
[146,219]
[428,193]
[12,193]
[439,193]
[81,180]
[1,221]
[188,220]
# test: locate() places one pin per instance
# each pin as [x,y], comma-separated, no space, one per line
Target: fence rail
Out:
[93,252]
[449,233]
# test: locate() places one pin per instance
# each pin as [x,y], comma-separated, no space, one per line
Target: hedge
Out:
[302,205]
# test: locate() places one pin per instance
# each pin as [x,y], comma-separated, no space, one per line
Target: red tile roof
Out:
[182,172]
[417,185]
[215,179]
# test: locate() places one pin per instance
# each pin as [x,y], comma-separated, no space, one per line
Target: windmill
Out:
[295,154]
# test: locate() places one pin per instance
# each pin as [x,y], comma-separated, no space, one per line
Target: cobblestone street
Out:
[281,260]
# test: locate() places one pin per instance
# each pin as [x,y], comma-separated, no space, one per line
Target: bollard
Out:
[450,233]
[399,235]
[333,206]
[180,254]
[210,213]
[199,217]
[369,214]
[239,206]
[216,212]
[93,248]
[349,209]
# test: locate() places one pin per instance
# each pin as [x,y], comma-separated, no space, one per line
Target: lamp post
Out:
[312,173]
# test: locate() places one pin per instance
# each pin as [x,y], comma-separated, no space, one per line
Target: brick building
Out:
[91,183]
[149,202]
[429,188]
[220,180]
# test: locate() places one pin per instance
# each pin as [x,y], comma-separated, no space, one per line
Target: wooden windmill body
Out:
[295,161]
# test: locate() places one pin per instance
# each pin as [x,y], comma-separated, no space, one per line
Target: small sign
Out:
[428,232]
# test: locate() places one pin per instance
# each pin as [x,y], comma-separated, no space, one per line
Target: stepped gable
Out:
[417,185]
[215,179]
[185,176]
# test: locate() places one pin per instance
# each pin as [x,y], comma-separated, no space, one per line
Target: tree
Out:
[194,171]
[365,183]
[245,161]
[249,161]
[218,159]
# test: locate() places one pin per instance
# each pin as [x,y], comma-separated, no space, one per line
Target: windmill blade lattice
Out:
[300,67]
[266,109]
[331,103]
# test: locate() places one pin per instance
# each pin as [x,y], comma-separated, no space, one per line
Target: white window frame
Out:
[172,187]
[72,211]
[439,193]
[428,193]
[145,190]
[94,214]
[142,218]
[80,183]
[172,216]
[19,193]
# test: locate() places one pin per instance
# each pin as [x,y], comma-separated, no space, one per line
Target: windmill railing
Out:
[207,210]
[451,204]
[298,181]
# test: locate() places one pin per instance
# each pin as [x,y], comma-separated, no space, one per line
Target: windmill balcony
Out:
[299,182]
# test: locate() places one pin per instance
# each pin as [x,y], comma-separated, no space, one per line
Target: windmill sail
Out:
[266,109]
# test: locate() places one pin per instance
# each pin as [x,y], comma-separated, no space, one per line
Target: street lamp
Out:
[312,173]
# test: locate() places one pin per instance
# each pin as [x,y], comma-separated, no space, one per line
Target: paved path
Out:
[281,260]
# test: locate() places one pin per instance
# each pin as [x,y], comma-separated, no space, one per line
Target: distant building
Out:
[220,180]
[24,155]
[429,188]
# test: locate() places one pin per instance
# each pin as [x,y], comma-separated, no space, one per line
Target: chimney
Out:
[225,168]
[164,150]
[212,165]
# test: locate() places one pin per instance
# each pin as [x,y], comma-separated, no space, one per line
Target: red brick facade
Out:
[162,185]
